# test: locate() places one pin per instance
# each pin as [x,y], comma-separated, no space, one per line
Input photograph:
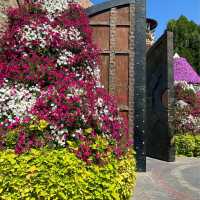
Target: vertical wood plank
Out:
[101,36]
[123,15]
[105,60]
[122,35]
[122,66]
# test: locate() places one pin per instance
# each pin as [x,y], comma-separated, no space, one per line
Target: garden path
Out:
[169,181]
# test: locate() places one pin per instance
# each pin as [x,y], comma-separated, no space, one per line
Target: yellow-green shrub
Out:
[197,148]
[59,174]
[188,145]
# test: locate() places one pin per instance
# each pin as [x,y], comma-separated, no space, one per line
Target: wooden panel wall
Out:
[113,32]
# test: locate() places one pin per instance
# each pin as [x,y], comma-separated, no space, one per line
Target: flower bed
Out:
[187,119]
[60,131]
[59,174]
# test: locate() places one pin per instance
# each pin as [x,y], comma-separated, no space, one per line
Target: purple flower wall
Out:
[183,71]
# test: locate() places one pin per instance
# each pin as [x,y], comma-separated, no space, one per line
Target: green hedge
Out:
[58,174]
[188,145]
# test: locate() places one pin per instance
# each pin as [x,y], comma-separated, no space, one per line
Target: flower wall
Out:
[187,92]
[50,92]
[184,71]
[187,108]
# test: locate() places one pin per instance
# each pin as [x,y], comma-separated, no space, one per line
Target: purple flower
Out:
[183,71]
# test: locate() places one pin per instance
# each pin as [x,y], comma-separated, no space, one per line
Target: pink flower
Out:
[66,72]
[20,146]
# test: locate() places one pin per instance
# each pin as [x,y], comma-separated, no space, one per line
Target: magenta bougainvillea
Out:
[50,92]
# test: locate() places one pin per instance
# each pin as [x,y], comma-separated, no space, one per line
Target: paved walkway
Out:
[169,181]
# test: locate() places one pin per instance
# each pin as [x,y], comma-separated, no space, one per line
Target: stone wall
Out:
[4,4]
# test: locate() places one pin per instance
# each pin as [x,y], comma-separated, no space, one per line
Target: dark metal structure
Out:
[140,84]
[151,23]
[160,99]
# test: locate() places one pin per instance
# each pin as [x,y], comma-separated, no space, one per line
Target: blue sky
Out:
[163,11]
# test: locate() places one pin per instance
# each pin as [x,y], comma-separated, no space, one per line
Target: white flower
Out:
[185,86]
[16,100]
[55,7]
[64,58]
[99,102]
[80,131]
[61,140]
[33,32]
[182,104]
[83,118]
[74,34]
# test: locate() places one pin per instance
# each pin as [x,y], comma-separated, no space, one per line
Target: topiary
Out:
[188,144]
[185,145]
[197,146]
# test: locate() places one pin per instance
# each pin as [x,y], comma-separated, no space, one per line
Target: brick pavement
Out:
[169,181]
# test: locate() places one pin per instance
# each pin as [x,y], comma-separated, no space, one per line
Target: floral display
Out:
[16,100]
[187,109]
[187,89]
[50,93]
[183,71]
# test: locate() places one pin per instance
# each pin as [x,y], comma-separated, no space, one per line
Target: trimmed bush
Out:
[188,145]
[197,148]
[59,174]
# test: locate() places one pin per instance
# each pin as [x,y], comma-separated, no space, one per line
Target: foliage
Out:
[49,73]
[197,148]
[186,40]
[59,174]
[32,133]
[188,145]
